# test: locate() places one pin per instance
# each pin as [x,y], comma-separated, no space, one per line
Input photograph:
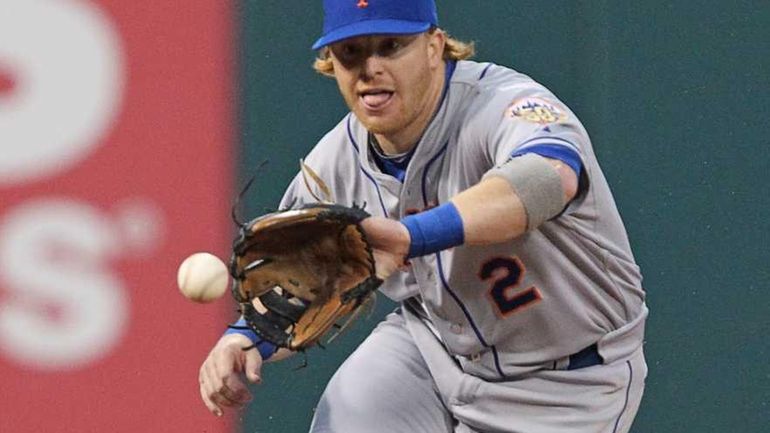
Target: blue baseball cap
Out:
[349,18]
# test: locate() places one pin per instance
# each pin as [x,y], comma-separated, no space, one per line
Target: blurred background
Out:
[126,127]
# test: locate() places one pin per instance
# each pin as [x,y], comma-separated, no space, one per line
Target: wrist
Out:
[242,331]
[235,339]
[434,230]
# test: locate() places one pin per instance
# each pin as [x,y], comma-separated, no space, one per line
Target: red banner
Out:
[116,138]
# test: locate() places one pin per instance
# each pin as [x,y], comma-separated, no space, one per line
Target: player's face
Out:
[390,82]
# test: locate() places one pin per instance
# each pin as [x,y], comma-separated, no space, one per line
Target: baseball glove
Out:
[297,273]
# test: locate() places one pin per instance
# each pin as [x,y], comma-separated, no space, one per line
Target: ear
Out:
[323,63]
[436,43]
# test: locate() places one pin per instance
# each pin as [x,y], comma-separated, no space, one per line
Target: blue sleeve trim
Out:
[561,152]
[266,349]
[484,72]
[434,230]
[240,327]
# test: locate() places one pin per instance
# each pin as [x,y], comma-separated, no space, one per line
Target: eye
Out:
[389,46]
[349,51]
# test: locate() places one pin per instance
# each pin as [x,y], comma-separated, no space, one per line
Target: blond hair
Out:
[453,50]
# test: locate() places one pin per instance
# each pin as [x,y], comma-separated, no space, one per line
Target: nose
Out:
[371,67]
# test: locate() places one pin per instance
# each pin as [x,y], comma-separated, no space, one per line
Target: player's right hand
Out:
[221,375]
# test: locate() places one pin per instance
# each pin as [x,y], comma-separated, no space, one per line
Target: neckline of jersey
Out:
[396,165]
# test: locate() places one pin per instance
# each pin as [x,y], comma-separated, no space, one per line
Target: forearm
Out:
[493,212]
[487,213]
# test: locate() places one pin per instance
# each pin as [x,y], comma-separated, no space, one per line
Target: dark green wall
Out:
[676,96]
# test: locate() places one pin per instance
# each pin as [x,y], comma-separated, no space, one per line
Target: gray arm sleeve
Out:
[536,183]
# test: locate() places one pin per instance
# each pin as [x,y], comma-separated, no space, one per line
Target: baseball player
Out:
[522,309]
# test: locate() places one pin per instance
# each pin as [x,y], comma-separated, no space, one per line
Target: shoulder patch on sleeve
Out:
[536,110]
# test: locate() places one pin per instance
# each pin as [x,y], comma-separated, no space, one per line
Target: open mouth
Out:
[376,99]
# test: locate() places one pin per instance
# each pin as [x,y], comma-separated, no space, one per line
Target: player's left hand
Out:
[390,243]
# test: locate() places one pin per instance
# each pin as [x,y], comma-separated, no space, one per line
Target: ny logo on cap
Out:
[362,4]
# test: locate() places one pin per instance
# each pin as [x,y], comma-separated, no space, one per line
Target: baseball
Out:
[202,277]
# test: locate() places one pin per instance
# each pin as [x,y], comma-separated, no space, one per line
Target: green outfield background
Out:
[676,97]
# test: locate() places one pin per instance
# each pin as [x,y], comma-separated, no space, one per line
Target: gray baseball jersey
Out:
[503,310]
[495,337]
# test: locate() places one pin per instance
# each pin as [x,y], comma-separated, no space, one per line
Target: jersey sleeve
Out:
[536,122]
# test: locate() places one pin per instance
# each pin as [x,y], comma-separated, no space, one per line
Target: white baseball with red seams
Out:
[202,277]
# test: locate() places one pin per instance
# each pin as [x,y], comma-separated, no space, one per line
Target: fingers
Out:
[207,400]
[232,394]
[219,376]
[219,392]
[253,366]
[209,388]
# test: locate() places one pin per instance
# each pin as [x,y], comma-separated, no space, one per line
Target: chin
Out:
[377,128]
[379,125]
